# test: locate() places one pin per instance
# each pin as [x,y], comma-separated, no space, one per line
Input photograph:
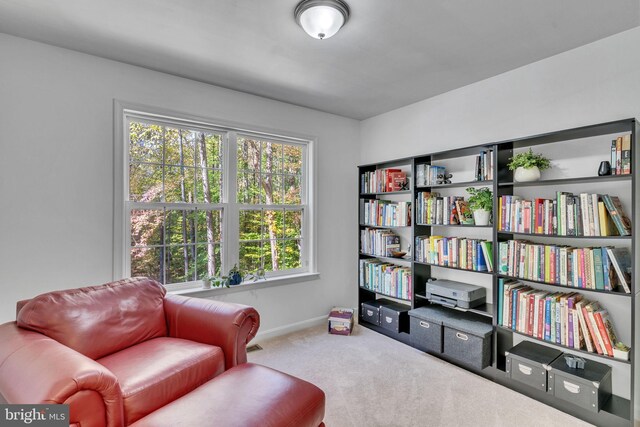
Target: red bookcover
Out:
[540,331]
[530,314]
[387,178]
[592,332]
[603,332]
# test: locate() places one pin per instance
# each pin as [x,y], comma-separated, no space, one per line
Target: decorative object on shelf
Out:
[604,169]
[404,185]
[444,178]
[574,362]
[528,165]
[481,204]
[398,254]
[321,19]
[621,351]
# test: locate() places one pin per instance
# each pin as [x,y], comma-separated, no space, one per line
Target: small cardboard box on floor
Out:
[340,321]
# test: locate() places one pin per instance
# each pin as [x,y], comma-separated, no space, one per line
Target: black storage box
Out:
[394,317]
[588,388]
[426,324]
[467,339]
[370,311]
[527,363]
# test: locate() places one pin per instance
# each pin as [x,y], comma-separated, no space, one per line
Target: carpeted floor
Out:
[371,380]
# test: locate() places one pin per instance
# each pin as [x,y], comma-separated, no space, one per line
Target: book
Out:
[487,252]
[618,164]
[619,217]
[588,311]
[606,340]
[465,215]
[583,325]
[621,262]
[613,157]
[625,155]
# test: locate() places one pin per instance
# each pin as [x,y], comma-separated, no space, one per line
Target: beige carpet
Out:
[371,380]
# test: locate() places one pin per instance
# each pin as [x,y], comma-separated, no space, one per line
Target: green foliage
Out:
[528,160]
[185,166]
[480,198]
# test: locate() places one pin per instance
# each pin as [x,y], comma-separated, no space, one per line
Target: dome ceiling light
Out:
[321,19]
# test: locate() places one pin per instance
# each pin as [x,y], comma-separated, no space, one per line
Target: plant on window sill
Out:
[235,277]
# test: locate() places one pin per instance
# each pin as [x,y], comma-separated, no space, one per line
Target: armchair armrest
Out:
[226,325]
[37,369]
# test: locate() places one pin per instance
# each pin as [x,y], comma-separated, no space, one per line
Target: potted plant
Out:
[235,276]
[527,166]
[481,204]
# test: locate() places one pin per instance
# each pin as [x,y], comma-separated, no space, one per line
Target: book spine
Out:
[603,333]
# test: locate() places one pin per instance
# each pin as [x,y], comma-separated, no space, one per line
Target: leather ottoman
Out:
[247,395]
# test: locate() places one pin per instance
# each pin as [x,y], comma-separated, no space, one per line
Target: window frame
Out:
[230,132]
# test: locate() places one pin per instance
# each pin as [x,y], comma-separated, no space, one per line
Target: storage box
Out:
[370,310]
[467,339]
[527,363]
[588,388]
[340,321]
[394,317]
[426,324]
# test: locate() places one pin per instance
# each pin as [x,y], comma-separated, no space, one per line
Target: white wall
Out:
[595,83]
[56,174]
[592,84]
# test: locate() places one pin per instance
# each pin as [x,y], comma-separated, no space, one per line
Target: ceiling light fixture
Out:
[321,18]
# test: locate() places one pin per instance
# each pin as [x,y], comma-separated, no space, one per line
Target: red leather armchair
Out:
[119,351]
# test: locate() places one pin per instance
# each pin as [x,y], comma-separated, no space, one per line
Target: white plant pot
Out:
[527,175]
[481,217]
[206,284]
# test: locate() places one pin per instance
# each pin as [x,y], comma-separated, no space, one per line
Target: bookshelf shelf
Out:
[386,193]
[455,225]
[563,181]
[513,233]
[620,409]
[596,355]
[385,295]
[384,226]
[483,310]
[386,258]
[599,291]
[452,268]
[456,184]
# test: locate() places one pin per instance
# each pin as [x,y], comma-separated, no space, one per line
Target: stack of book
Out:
[379,242]
[621,155]
[456,252]
[599,268]
[385,213]
[431,209]
[382,181]
[427,175]
[484,166]
[564,318]
[566,215]
[385,278]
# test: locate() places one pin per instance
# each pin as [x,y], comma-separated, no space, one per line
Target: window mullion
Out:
[232,215]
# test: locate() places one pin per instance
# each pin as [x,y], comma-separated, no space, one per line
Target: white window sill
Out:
[195,288]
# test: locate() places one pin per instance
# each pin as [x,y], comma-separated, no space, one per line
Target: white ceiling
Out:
[391,53]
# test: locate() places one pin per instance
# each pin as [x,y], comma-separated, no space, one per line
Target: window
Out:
[270,193]
[202,198]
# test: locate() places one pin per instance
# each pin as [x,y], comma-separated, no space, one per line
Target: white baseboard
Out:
[282,330]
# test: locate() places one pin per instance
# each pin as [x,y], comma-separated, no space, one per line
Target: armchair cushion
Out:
[158,371]
[99,320]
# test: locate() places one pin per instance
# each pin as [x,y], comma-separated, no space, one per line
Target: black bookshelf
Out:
[619,409]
